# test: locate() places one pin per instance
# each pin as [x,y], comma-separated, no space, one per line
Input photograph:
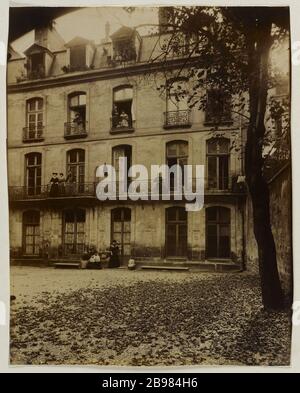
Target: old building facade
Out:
[74,106]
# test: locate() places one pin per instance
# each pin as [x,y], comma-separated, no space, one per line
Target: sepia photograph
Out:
[149,185]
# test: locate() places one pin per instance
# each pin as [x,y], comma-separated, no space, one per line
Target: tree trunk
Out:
[258,52]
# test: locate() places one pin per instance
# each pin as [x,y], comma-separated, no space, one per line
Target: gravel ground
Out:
[143,318]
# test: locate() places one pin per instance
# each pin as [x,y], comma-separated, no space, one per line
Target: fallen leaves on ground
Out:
[192,319]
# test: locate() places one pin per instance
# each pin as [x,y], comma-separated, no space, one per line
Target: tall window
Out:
[78,57]
[122,114]
[177,154]
[34,119]
[74,231]
[77,115]
[33,173]
[177,113]
[218,106]
[76,170]
[122,151]
[217,152]
[31,232]
[217,232]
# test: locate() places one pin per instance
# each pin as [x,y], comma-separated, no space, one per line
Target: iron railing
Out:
[119,125]
[180,118]
[75,130]
[67,190]
[33,133]
[71,190]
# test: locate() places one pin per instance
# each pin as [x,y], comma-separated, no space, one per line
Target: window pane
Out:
[123,94]
[183,149]
[211,214]
[212,171]
[223,146]
[224,215]
[127,214]
[212,146]
[77,56]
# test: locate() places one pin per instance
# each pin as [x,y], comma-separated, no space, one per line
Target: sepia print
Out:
[149,172]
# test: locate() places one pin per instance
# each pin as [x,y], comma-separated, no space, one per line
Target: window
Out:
[74,231]
[217,153]
[178,113]
[34,120]
[176,232]
[124,51]
[218,107]
[33,175]
[37,65]
[31,232]
[78,58]
[118,152]
[76,125]
[217,232]
[122,115]
[75,171]
[177,154]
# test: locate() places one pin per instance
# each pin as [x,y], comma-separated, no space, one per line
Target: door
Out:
[74,231]
[217,232]
[31,233]
[176,232]
[121,231]
[76,167]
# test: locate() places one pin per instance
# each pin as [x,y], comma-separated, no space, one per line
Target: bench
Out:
[67,265]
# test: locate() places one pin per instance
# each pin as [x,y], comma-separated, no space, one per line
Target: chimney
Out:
[41,36]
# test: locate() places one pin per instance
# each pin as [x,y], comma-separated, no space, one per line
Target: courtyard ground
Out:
[143,318]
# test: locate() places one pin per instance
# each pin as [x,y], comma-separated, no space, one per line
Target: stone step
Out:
[161,267]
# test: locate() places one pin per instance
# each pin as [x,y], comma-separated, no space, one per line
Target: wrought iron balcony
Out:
[75,130]
[175,119]
[155,188]
[119,124]
[33,133]
[65,190]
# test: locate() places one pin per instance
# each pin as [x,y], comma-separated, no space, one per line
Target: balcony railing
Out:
[180,118]
[119,124]
[75,130]
[67,190]
[33,133]
[154,188]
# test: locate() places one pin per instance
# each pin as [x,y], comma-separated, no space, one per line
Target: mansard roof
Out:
[78,41]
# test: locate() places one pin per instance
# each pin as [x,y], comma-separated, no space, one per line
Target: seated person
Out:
[94,261]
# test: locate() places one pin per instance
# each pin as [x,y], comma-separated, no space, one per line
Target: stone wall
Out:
[281,219]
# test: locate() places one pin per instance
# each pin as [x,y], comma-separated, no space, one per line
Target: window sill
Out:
[121,130]
[77,136]
[172,126]
[215,123]
[31,140]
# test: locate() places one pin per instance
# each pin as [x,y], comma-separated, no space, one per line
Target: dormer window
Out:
[80,54]
[126,44]
[78,58]
[39,61]
[37,67]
